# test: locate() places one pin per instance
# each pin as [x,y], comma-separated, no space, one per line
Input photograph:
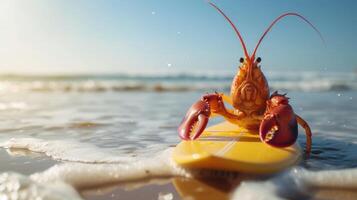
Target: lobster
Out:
[254,108]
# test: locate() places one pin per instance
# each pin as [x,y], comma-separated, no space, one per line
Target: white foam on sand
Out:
[66,150]
[19,187]
[81,175]
[296,182]
[60,179]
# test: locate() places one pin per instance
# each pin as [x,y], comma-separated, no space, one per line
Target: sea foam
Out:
[81,175]
[60,180]
[296,182]
[16,186]
[66,150]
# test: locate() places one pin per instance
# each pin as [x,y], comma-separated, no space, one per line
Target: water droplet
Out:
[169,64]
[339,94]
[351,98]
[153,12]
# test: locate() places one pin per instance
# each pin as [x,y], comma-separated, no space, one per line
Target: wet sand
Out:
[145,189]
[23,161]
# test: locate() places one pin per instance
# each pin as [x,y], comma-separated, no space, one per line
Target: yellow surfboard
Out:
[226,146]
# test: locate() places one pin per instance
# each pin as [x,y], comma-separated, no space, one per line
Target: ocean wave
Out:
[102,86]
[306,81]
[109,86]
[195,76]
[314,85]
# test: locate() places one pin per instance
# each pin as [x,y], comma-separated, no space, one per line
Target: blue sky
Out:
[132,36]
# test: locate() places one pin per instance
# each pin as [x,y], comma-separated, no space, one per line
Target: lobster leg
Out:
[308,133]
[227,99]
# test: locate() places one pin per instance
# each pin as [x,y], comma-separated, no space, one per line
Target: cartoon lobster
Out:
[253,108]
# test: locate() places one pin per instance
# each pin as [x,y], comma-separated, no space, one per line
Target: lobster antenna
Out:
[234,27]
[280,17]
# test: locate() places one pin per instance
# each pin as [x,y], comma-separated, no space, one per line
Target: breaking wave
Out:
[290,81]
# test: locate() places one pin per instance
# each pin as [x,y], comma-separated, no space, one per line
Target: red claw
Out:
[279,126]
[195,120]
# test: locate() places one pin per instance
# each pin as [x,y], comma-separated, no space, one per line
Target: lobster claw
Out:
[279,126]
[195,121]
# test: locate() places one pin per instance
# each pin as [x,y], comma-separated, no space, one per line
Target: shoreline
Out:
[26,163]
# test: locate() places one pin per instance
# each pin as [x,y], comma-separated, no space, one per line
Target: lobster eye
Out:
[259,60]
[241,60]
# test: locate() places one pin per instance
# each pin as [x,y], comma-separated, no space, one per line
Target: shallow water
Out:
[69,136]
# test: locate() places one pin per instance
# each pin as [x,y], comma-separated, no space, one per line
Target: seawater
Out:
[278,80]
[106,135]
